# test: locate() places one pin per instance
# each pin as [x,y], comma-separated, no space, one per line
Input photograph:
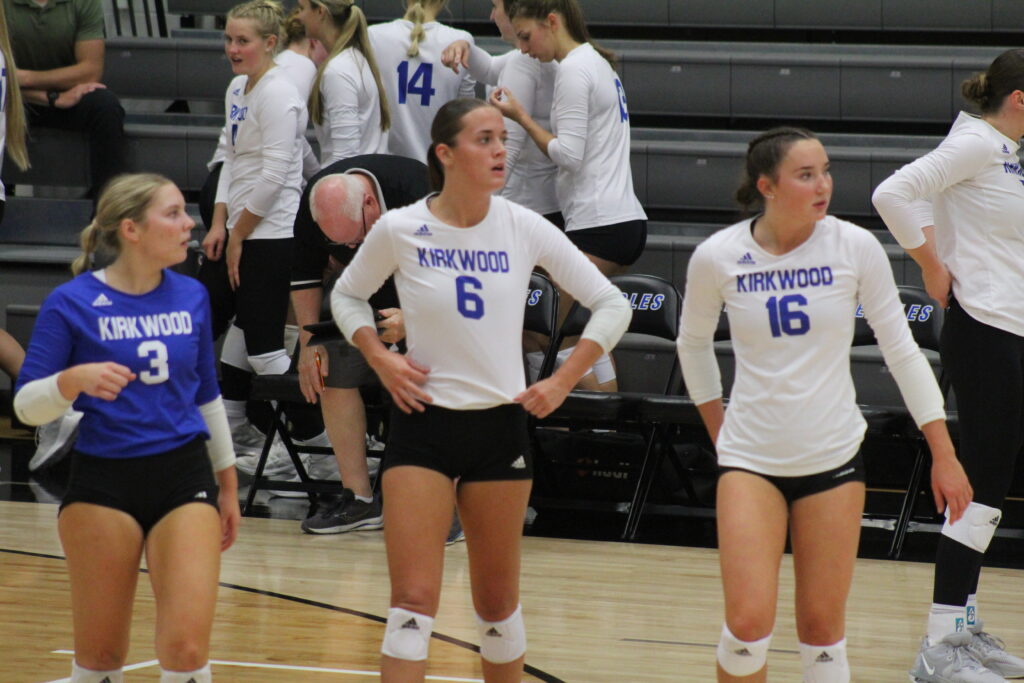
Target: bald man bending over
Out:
[338,207]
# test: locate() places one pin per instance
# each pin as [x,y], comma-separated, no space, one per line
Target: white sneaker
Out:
[372,444]
[279,464]
[319,441]
[323,467]
[372,465]
[247,439]
[950,661]
[55,439]
[991,652]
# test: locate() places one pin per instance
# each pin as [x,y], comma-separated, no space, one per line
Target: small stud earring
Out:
[769,196]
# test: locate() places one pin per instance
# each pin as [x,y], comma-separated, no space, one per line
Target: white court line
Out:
[280,667]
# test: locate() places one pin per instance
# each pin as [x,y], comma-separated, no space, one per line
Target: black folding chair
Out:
[542,317]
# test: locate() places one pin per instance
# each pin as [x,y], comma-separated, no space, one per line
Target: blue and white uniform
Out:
[163,336]
[793,408]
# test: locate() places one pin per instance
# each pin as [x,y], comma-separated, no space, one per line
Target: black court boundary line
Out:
[542,675]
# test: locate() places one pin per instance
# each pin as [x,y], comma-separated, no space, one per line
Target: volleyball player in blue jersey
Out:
[131,347]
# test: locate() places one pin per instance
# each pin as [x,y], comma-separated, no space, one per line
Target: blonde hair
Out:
[294,29]
[416,12]
[124,197]
[351,24]
[14,109]
[267,15]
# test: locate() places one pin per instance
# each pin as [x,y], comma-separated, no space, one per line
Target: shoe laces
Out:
[988,642]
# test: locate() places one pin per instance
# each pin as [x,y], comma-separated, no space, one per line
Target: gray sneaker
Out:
[950,661]
[247,439]
[455,533]
[346,514]
[54,440]
[279,463]
[991,652]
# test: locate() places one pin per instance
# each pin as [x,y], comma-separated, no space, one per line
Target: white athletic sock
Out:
[972,610]
[82,675]
[825,663]
[198,676]
[235,411]
[943,620]
[364,499]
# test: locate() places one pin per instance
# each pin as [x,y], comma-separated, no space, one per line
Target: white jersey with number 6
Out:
[793,409]
[417,87]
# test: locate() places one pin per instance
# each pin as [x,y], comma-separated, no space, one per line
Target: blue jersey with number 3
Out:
[163,336]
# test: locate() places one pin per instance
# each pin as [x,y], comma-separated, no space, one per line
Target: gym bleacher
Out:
[877,79]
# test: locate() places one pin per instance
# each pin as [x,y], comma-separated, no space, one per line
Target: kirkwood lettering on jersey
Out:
[1014,168]
[468,260]
[781,280]
[117,327]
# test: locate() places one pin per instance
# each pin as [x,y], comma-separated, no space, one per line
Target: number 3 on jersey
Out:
[156,352]
[419,84]
[785,320]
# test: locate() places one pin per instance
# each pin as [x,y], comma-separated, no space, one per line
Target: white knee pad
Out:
[739,658]
[976,528]
[82,675]
[202,675]
[233,351]
[825,663]
[407,635]
[604,369]
[503,641]
[270,363]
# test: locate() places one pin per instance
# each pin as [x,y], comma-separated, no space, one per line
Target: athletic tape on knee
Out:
[270,363]
[825,663]
[503,641]
[740,658]
[976,528]
[604,369]
[202,675]
[82,675]
[233,351]
[407,635]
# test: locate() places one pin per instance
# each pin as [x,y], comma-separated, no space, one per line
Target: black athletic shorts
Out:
[620,243]
[795,488]
[147,487]
[475,445]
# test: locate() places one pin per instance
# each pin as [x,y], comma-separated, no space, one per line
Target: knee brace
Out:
[270,363]
[82,675]
[739,658]
[503,641]
[604,369]
[976,528]
[233,351]
[202,675]
[407,635]
[825,663]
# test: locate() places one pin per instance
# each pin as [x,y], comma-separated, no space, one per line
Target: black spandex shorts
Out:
[620,243]
[795,488]
[475,445]
[147,487]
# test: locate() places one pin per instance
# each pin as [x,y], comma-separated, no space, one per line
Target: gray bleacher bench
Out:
[167,68]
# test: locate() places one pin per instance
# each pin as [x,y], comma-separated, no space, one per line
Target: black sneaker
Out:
[346,514]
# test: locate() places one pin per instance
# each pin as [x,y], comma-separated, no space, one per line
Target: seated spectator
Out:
[59,49]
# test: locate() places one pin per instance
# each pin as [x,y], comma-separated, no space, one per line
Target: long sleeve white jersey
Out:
[417,87]
[351,110]
[971,188]
[297,70]
[530,175]
[463,295]
[793,411]
[591,147]
[4,97]
[262,169]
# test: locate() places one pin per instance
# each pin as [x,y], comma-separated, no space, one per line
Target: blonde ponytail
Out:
[14,108]
[417,12]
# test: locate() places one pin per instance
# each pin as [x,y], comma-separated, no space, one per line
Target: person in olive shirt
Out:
[59,49]
[338,207]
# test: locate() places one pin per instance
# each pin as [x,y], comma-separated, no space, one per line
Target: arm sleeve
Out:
[467,87]
[520,76]
[224,181]
[279,119]
[340,86]
[370,267]
[702,307]
[484,68]
[220,447]
[90,21]
[571,111]
[902,198]
[884,312]
[609,311]
[310,164]
[40,401]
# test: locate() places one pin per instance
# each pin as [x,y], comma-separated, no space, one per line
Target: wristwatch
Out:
[51,97]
